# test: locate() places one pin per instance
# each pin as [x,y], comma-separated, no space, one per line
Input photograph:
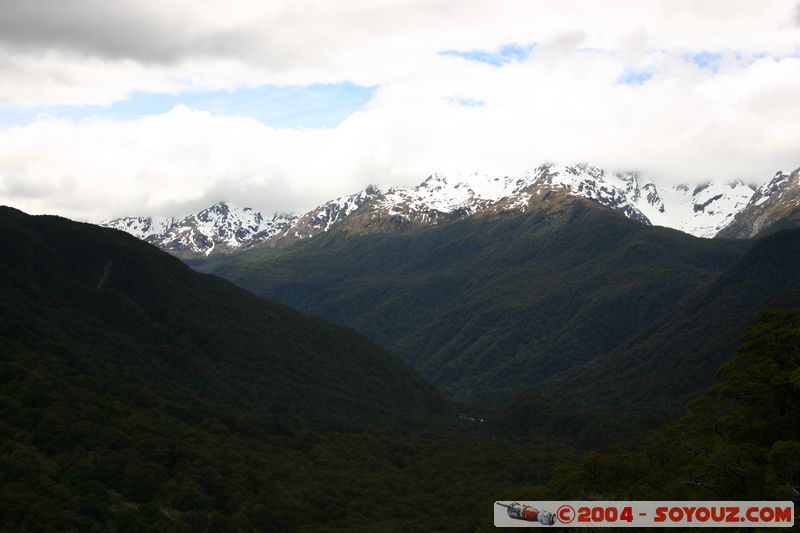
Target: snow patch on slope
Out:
[141,227]
[702,210]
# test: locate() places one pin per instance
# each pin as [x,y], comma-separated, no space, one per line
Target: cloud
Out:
[684,124]
[139,31]
[88,51]
[609,86]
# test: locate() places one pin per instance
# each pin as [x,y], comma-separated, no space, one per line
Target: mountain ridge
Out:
[704,210]
[221,228]
[774,206]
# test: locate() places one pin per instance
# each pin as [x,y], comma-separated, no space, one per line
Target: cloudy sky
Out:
[140,107]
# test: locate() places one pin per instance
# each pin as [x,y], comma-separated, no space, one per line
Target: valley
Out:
[336,267]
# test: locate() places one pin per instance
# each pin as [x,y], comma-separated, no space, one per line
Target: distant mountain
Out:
[701,210]
[221,228]
[444,198]
[224,228]
[774,206]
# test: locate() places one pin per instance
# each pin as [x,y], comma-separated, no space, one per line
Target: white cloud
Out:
[83,46]
[563,103]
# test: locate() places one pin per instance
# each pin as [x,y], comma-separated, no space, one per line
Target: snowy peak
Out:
[441,197]
[777,188]
[463,194]
[618,192]
[232,225]
[652,197]
[337,210]
[223,227]
[645,196]
[140,227]
[322,218]
[775,205]
[442,194]
[702,210]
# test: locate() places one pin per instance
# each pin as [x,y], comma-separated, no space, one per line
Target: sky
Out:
[162,108]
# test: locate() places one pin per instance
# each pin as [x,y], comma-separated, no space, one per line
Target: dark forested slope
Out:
[69,287]
[676,359]
[739,441]
[497,303]
[137,394]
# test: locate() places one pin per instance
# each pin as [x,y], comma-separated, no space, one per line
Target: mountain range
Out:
[554,273]
[731,209]
[138,395]
[547,312]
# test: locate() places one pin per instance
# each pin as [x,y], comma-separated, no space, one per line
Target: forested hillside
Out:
[739,441]
[139,395]
[677,357]
[494,305]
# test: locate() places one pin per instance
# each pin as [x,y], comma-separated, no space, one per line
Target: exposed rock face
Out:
[774,206]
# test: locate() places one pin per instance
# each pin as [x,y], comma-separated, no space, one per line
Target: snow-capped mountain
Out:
[700,211]
[466,194]
[443,197]
[775,205]
[322,218]
[144,228]
[703,210]
[223,227]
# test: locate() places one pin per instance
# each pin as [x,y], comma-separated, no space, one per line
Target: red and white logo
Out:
[759,514]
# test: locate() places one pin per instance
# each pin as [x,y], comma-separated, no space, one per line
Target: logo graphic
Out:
[529,514]
[650,513]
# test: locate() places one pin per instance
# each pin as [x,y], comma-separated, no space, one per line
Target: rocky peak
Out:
[774,205]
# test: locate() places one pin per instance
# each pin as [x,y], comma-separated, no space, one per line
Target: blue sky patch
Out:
[498,58]
[635,77]
[466,102]
[705,60]
[308,106]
